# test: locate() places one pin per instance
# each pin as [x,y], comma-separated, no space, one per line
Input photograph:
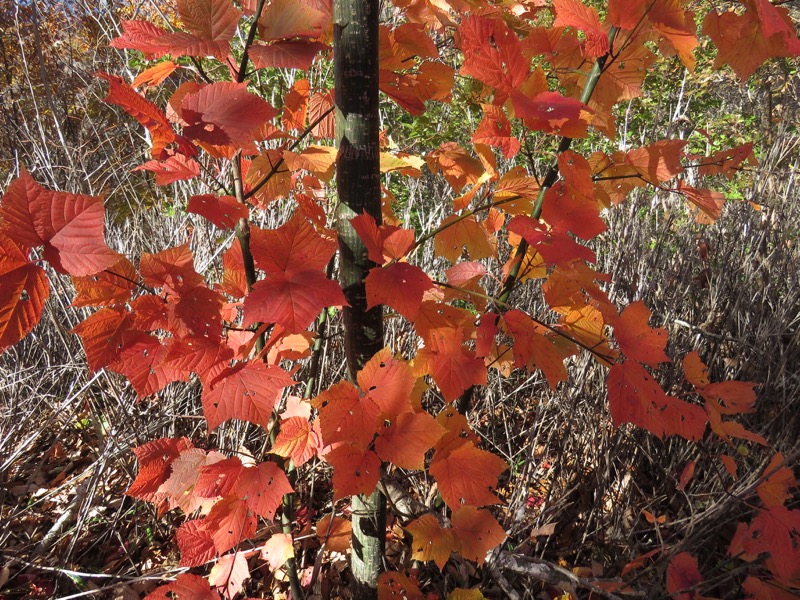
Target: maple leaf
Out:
[171,270]
[319,160]
[286,54]
[108,287]
[677,27]
[286,19]
[335,533]
[69,226]
[247,392]
[155,459]
[155,76]
[635,397]
[727,162]
[229,574]
[388,382]
[467,475]
[707,204]
[774,490]
[455,163]
[354,470]
[683,574]
[143,364]
[776,531]
[463,233]
[658,162]
[767,31]
[23,291]
[262,488]
[405,442]
[230,522]
[297,440]
[185,587]
[385,242]
[568,212]
[554,246]
[453,367]
[222,211]
[552,113]
[345,416]
[148,115]
[760,589]
[106,334]
[185,470]
[400,286]
[573,13]
[495,130]
[210,20]
[637,339]
[431,541]
[625,14]
[535,349]
[500,64]
[224,114]
[478,531]
[277,550]
[175,168]
[195,543]
[393,584]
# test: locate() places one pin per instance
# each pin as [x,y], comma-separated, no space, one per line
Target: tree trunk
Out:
[358,183]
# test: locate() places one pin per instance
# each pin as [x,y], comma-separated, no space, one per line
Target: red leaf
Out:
[185,587]
[683,574]
[297,440]
[286,54]
[154,76]
[554,246]
[495,130]
[637,339]
[760,589]
[69,226]
[180,487]
[292,248]
[223,211]
[174,168]
[105,335]
[219,478]
[625,14]
[573,13]
[399,286]
[354,470]
[635,397]
[453,367]
[155,459]
[776,532]
[293,300]
[501,63]
[774,490]
[658,162]
[149,115]
[23,292]
[406,441]
[143,363]
[230,523]
[385,242]
[707,204]
[478,531]
[247,392]
[171,269]
[552,113]
[195,543]
[467,475]
[108,287]
[262,488]
[536,348]
[224,114]
[210,20]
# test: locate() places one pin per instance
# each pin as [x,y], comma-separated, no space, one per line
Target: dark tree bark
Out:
[358,183]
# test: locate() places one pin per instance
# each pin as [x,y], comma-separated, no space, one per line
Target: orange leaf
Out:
[354,470]
[335,533]
[223,211]
[467,475]
[637,339]
[229,574]
[431,542]
[478,531]
[277,550]
[405,442]
[453,367]
[400,286]
[297,440]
